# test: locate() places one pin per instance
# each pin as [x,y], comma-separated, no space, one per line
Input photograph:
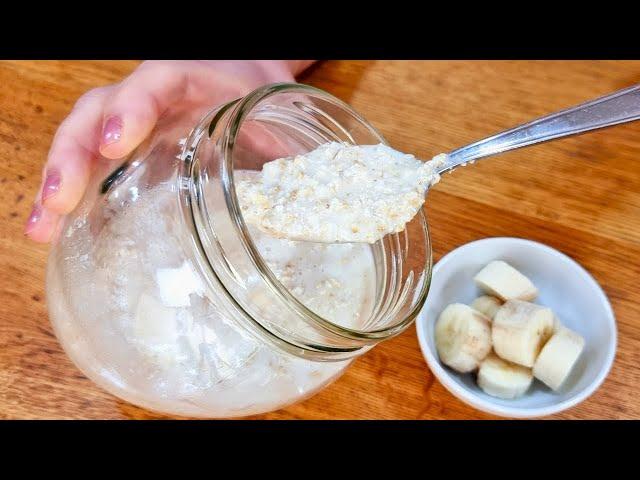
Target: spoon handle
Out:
[618,107]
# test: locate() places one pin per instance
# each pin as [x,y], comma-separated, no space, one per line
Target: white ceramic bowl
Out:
[564,286]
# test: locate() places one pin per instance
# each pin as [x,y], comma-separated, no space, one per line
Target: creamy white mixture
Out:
[336,281]
[338,193]
[134,315]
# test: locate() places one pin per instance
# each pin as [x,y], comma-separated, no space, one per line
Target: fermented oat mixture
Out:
[338,193]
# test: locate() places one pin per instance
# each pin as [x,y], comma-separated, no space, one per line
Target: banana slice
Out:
[558,357]
[487,305]
[503,379]
[502,280]
[463,337]
[519,331]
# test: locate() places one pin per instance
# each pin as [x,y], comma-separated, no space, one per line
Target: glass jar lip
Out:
[237,117]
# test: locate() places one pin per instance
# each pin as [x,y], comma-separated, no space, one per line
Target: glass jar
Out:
[162,294]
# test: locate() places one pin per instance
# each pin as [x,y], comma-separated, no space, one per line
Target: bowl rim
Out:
[472,398]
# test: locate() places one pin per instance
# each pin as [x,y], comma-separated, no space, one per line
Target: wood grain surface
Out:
[579,195]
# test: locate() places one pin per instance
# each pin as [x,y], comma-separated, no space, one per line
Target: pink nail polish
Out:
[112,130]
[34,218]
[51,184]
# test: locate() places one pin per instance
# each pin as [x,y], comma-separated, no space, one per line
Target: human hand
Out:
[112,121]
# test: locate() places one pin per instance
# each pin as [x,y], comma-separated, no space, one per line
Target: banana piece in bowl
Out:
[505,282]
[558,357]
[462,337]
[503,379]
[520,330]
[487,305]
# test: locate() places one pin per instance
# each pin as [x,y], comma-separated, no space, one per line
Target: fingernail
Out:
[51,184]
[112,130]
[34,218]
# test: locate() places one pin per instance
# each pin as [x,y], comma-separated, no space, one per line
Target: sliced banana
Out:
[502,280]
[487,305]
[503,379]
[519,331]
[463,337]
[558,357]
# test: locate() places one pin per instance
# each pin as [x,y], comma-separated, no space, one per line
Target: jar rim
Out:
[238,115]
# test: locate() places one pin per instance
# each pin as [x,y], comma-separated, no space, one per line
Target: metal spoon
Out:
[618,107]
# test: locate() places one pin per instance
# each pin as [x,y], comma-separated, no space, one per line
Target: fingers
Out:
[73,150]
[42,224]
[257,144]
[110,120]
[132,110]
[66,173]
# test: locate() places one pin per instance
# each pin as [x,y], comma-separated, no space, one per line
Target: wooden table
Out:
[579,195]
